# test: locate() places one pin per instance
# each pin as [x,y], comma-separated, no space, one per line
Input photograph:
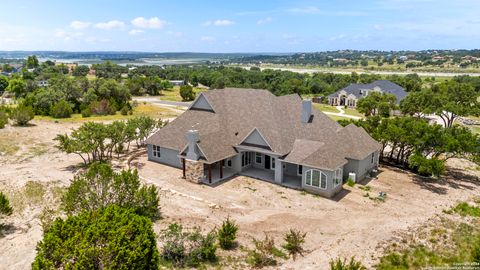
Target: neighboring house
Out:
[350,95]
[177,82]
[255,133]
[42,83]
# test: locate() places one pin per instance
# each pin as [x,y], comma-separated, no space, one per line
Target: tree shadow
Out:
[453,178]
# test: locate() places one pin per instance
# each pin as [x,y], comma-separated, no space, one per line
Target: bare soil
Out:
[33,174]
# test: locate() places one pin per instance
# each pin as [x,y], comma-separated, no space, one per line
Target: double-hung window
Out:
[316,178]
[156,151]
[299,169]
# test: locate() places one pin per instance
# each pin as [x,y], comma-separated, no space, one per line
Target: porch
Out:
[269,176]
[216,172]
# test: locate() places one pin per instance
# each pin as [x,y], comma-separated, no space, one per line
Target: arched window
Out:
[316,178]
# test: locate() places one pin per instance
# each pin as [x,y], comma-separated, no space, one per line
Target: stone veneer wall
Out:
[193,171]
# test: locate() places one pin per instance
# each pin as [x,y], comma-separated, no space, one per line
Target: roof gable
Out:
[201,103]
[255,138]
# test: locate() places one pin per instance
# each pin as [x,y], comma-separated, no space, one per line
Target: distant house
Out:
[350,95]
[282,140]
[177,82]
[42,83]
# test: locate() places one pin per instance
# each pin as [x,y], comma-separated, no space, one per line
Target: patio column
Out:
[221,169]
[210,173]
[278,171]
[183,167]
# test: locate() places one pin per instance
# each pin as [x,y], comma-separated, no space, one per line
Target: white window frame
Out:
[299,171]
[272,163]
[246,159]
[258,156]
[156,151]
[321,177]
[229,163]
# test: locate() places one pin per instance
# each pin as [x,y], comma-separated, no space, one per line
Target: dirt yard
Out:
[33,174]
[349,225]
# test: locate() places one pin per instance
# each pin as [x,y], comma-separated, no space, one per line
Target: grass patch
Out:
[336,117]
[38,150]
[465,209]
[352,111]
[475,129]
[325,108]
[8,147]
[365,188]
[174,93]
[350,182]
[447,247]
[140,110]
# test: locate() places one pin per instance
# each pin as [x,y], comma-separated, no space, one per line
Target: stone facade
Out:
[193,171]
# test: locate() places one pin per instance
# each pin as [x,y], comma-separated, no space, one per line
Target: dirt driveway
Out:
[349,225]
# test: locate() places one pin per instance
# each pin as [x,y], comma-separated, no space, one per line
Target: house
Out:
[176,82]
[251,132]
[42,83]
[350,95]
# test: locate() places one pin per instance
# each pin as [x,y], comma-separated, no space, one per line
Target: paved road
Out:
[162,102]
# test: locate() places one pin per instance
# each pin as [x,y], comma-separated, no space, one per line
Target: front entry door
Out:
[267,162]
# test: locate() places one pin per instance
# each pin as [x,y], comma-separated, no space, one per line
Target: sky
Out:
[239,26]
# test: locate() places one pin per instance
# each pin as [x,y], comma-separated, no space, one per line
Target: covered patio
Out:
[269,176]
[216,172]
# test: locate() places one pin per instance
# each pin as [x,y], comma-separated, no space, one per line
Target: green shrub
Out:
[182,248]
[187,93]
[293,243]
[102,107]
[350,182]
[5,208]
[100,186]
[476,253]
[427,167]
[264,253]
[61,110]
[110,238]
[22,115]
[3,119]
[227,234]
[124,110]
[87,112]
[340,264]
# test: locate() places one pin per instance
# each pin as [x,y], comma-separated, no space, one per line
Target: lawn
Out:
[140,110]
[352,111]
[475,129]
[174,94]
[336,118]
[325,107]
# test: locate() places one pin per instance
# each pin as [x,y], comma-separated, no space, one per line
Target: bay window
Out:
[316,178]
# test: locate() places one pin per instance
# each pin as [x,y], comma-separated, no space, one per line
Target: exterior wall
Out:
[167,156]
[329,192]
[361,167]
[290,169]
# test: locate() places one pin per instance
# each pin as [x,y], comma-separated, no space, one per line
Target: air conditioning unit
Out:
[353,176]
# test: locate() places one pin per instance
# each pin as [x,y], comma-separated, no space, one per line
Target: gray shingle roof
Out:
[358,90]
[278,119]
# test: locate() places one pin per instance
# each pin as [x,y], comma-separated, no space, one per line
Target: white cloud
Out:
[79,25]
[152,23]
[223,22]
[264,21]
[67,36]
[308,10]
[207,38]
[110,25]
[134,32]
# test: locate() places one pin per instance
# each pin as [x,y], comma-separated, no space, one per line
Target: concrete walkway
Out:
[342,113]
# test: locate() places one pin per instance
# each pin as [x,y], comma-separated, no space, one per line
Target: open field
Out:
[140,110]
[34,175]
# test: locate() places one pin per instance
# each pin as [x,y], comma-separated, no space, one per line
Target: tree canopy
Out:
[108,238]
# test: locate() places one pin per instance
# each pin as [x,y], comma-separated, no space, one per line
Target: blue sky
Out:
[239,26]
